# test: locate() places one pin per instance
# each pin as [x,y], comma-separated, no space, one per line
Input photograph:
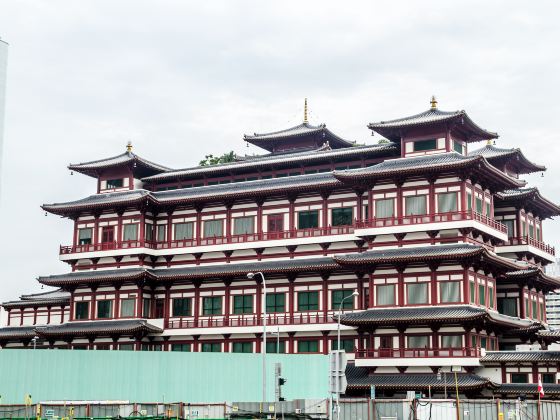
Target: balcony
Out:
[462,356]
[212,241]
[527,244]
[251,321]
[436,221]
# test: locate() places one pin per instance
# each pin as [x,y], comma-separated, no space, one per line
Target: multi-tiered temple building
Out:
[440,237]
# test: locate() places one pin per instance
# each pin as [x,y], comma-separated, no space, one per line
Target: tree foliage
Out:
[216,160]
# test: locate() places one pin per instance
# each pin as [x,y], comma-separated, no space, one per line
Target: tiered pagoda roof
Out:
[432,164]
[458,122]
[431,315]
[16,333]
[403,167]
[278,160]
[107,328]
[140,166]
[527,390]
[530,199]
[345,262]
[513,159]
[51,298]
[301,136]
[532,275]
[360,379]
[497,357]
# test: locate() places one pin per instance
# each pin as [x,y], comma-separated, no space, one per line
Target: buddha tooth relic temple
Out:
[429,241]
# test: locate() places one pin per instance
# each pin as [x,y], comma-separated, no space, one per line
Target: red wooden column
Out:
[95,230]
[227,303]
[142,235]
[325,342]
[433,284]
[291,342]
[325,210]
[167,306]
[521,303]
[400,211]
[228,220]
[75,236]
[325,293]
[360,298]
[371,290]
[292,215]
[463,197]
[92,303]
[400,285]
[198,224]
[227,343]
[370,204]
[9,315]
[196,302]
[169,227]
[291,296]
[359,206]
[258,342]
[119,227]
[259,301]
[49,313]
[259,218]
[117,302]
[519,229]
[432,196]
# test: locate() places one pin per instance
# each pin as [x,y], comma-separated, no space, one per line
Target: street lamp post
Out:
[263,350]
[34,339]
[355,293]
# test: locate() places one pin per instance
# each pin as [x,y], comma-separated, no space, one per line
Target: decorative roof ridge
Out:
[114,161]
[286,130]
[491,152]
[534,192]
[431,111]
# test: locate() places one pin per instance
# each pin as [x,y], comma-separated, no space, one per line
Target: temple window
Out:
[213,228]
[338,296]
[531,231]
[519,378]
[451,341]
[418,341]
[146,305]
[85,236]
[212,305]
[417,293]
[211,347]
[149,232]
[161,229]
[478,203]
[534,309]
[447,202]
[481,295]
[507,306]
[127,307]
[181,307]
[184,347]
[308,219]
[275,222]
[130,232]
[458,147]
[308,346]
[81,310]
[384,208]
[450,291]
[243,347]
[483,342]
[243,304]
[275,302]
[243,225]
[115,183]
[469,201]
[346,344]
[488,209]
[126,347]
[341,216]
[415,204]
[548,378]
[182,231]
[104,309]
[510,225]
[275,347]
[472,292]
[308,301]
[422,145]
[385,294]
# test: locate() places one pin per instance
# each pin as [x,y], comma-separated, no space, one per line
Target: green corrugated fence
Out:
[70,375]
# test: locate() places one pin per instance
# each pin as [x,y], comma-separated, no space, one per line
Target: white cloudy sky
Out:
[182,79]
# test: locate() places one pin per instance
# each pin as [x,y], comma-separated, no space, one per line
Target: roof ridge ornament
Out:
[433,102]
[305,120]
[129,147]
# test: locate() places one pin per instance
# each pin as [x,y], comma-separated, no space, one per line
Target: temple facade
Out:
[429,247]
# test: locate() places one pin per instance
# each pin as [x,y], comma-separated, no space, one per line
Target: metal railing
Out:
[431,218]
[382,353]
[251,321]
[527,240]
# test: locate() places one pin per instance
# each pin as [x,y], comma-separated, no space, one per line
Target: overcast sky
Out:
[183,79]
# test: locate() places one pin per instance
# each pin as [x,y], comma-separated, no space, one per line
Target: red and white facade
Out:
[443,244]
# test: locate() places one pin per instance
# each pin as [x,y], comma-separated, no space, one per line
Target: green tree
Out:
[216,160]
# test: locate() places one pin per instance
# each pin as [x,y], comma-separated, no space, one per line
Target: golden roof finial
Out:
[433,102]
[305,111]
[489,142]
[129,147]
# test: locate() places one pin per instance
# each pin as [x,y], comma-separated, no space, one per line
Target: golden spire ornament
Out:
[433,102]
[129,147]
[305,111]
